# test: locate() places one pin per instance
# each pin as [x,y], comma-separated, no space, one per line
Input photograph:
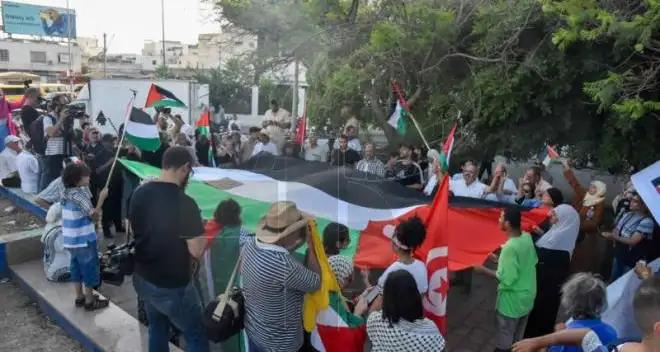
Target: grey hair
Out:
[584,296]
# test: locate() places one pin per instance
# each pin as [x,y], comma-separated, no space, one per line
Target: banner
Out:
[45,21]
[647,184]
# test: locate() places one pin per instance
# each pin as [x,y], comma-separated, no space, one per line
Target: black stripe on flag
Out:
[139,116]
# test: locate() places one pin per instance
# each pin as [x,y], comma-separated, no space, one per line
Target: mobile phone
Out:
[372,294]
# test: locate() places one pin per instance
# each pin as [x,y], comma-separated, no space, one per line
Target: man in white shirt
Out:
[28,170]
[265,145]
[314,151]
[353,140]
[502,187]
[8,156]
[468,186]
[277,122]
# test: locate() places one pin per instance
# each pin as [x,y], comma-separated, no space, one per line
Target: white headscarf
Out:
[563,234]
[593,199]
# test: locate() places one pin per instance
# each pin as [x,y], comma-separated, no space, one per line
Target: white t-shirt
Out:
[474,190]
[270,148]
[7,162]
[28,171]
[318,153]
[417,269]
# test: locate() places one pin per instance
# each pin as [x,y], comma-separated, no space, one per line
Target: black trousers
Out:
[552,271]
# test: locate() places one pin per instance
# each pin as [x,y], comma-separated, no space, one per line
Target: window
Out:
[38,57]
[63,58]
[4,55]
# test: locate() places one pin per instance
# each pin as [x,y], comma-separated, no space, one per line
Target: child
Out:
[408,235]
[516,275]
[79,234]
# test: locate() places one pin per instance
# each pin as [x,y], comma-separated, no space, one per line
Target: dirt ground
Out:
[24,328]
[16,220]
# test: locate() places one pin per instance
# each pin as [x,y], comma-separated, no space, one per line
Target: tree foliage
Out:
[580,73]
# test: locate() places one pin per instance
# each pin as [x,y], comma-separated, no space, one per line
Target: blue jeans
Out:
[253,346]
[618,269]
[179,306]
[84,265]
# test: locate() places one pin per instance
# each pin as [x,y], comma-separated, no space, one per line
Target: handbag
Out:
[223,317]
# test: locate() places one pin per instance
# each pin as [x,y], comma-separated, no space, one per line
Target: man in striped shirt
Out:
[370,164]
[274,283]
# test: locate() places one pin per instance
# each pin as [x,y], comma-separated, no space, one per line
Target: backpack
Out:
[36,134]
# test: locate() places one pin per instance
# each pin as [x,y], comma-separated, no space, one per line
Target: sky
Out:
[129,23]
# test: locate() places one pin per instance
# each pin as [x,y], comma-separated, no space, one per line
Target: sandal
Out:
[97,303]
[80,302]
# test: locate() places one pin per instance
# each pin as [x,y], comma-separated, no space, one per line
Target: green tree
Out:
[580,73]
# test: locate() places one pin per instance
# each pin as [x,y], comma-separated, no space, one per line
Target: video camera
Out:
[76,110]
[117,262]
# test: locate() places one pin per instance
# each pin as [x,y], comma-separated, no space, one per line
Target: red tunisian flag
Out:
[434,252]
[300,130]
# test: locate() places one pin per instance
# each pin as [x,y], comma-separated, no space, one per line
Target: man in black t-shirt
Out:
[405,171]
[168,231]
[28,111]
[344,156]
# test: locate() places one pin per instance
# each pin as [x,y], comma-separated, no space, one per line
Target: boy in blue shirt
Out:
[79,234]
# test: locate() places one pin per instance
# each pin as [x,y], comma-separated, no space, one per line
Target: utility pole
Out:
[162,7]
[105,56]
[70,73]
[294,110]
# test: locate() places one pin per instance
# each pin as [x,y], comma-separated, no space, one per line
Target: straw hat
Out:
[282,220]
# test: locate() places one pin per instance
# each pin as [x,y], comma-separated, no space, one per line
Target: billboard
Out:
[37,20]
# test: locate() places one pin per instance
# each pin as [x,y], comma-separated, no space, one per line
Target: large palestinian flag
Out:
[141,130]
[370,206]
[160,97]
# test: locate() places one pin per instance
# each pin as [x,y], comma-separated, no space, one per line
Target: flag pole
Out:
[420,132]
[121,139]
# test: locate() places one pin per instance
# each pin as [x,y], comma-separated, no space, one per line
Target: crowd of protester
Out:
[553,274]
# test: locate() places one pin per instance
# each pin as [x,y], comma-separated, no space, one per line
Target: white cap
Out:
[11,139]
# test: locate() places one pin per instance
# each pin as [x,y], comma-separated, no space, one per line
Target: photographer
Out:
[56,127]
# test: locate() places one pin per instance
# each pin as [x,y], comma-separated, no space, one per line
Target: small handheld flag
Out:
[141,130]
[160,97]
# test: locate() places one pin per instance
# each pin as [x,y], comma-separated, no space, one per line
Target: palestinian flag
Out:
[550,155]
[160,97]
[141,130]
[203,126]
[337,329]
[370,206]
[447,148]
[400,118]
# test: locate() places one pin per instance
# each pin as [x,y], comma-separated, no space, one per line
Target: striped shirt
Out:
[274,285]
[77,226]
[373,166]
[54,145]
[53,193]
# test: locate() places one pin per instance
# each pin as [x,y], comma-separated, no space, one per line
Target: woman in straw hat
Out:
[274,283]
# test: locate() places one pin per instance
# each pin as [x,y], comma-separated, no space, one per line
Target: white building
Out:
[50,60]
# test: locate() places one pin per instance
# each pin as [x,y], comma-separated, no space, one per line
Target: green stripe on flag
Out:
[207,198]
[169,103]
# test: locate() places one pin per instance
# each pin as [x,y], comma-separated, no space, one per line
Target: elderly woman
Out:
[584,298]
[554,250]
[400,326]
[589,202]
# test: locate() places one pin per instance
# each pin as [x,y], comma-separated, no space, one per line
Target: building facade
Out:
[49,60]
